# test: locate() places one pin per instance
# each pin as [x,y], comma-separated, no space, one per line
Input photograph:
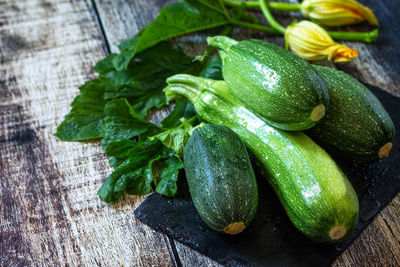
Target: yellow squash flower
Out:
[312,42]
[337,12]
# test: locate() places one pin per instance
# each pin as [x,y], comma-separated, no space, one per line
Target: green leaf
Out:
[133,163]
[128,49]
[145,78]
[86,119]
[122,122]
[212,69]
[182,109]
[141,84]
[106,64]
[174,139]
[120,151]
[174,20]
[169,176]
[216,5]
[156,100]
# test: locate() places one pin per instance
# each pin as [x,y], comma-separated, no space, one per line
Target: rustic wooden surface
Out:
[49,211]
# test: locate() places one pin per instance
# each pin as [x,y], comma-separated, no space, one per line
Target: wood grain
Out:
[50,214]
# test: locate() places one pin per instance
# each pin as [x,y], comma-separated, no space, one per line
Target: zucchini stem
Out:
[234,228]
[221,42]
[337,232]
[183,85]
[318,112]
[384,151]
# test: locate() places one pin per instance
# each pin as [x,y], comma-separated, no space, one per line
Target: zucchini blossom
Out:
[337,12]
[310,41]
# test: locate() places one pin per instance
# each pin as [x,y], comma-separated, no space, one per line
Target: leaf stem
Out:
[226,30]
[366,37]
[272,5]
[253,26]
[271,20]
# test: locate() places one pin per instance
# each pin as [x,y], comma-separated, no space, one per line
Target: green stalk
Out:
[271,20]
[253,26]
[272,5]
[366,37]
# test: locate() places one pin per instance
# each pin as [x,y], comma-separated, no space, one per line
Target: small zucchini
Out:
[317,196]
[273,82]
[356,125]
[221,180]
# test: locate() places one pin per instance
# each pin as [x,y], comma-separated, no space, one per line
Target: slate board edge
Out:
[138,215]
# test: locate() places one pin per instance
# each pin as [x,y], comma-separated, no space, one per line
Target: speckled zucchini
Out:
[221,179]
[315,193]
[273,82]
[356,125]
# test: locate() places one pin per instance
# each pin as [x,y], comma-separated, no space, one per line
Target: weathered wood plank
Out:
[48,188]
[50,214]
[378,245]
[190,257]
[123,19]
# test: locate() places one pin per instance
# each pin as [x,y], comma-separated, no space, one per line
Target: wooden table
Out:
[49,212]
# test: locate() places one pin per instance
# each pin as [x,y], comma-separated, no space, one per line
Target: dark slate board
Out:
[271,239]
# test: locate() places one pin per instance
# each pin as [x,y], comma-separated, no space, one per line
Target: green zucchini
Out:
[221,180]
[356,125]
[317,196]
[273,82]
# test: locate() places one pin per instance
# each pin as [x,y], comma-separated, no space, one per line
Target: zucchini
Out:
[273,82]
[221,180]
[356,125]
[317,196]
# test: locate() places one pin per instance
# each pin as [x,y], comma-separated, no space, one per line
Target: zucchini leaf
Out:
[212,69]
[113,106]
[135,145]
[174,20]
[141,84]
[182,109]
[85,121]
[133,160]
[122,122]
[134,171]
[169,176]
[216,5]
[133,163]
[175,138]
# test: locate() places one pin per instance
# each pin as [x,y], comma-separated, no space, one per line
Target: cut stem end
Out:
[337,232]
[384,151]
[234,228]
[318,112]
